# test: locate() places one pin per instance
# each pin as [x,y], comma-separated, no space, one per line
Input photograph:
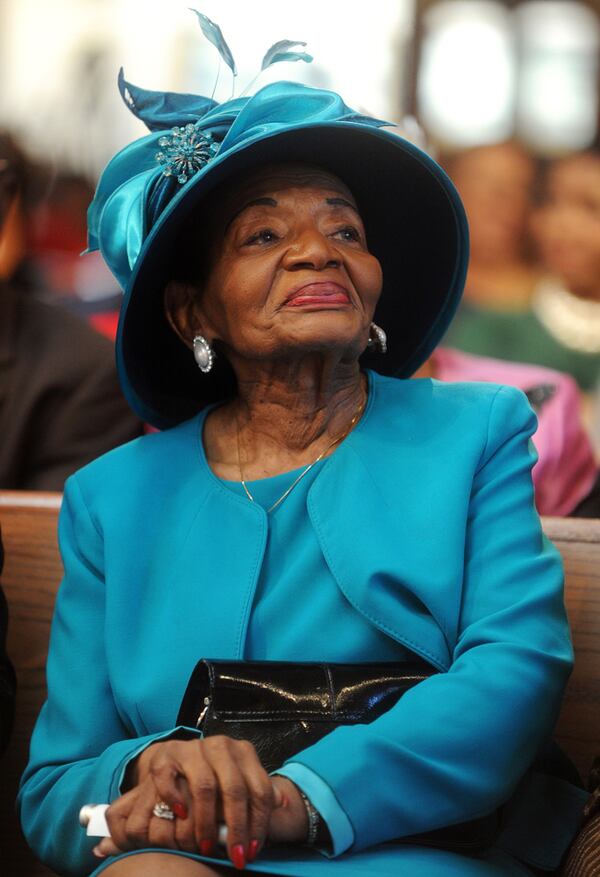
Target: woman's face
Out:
[289,268]
[567,226]
[495,184]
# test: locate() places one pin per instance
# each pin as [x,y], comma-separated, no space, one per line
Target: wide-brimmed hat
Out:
[414,219]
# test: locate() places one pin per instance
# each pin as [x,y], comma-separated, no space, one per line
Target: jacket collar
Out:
[376,552]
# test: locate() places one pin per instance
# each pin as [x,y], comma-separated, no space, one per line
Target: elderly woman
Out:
[298,506]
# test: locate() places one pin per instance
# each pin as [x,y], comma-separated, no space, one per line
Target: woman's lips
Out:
[324,294]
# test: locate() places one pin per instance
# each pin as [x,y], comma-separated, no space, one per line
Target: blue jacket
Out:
[426,518]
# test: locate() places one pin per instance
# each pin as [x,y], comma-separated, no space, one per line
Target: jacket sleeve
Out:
[81,744]
[455,746]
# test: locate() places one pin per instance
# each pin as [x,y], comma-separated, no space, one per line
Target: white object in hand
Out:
[92,818]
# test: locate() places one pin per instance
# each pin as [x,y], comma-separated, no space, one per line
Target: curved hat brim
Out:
[415,224]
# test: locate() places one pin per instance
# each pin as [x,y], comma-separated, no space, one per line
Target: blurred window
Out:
[558,94]
[466,79]
[489,72]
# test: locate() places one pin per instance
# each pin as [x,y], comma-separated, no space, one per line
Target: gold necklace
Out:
[305,471]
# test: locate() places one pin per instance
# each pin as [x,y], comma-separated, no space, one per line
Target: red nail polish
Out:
[180,810]
[207,847]
[238,856]
[253,848]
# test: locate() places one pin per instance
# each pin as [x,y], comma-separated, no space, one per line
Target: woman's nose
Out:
[311,249]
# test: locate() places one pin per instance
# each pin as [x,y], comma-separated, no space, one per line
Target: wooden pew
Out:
[578,729]
[33,570]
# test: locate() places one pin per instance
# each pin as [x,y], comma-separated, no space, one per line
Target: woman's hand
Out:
[204,782]
[289,822]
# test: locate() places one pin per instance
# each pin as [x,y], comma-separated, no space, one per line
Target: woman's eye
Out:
[265,236]
[349,233]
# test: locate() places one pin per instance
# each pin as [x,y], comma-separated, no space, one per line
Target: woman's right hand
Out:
[204,782]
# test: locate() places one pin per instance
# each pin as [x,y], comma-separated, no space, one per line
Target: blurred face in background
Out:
[496,186]
[567,225]
[22,191]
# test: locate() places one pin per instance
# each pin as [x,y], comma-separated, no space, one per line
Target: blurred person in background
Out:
[566,302]
[556,323]
[496,184]
[59,235]
[60,402]
[566,471]
[29,185]
[44,235]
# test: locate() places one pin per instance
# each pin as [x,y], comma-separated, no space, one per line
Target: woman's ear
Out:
[182,310]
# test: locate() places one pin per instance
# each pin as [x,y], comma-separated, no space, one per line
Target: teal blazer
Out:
[426,519]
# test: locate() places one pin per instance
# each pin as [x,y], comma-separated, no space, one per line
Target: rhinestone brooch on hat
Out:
[185,151]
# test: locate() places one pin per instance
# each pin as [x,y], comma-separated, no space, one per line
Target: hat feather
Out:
[160,110]
[281,51]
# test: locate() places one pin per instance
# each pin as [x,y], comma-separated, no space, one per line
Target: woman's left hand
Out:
[287,823]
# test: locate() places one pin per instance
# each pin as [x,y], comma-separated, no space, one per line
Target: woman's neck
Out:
[284,417]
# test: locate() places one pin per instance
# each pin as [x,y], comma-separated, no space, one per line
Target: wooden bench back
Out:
[578,729]
[32,573]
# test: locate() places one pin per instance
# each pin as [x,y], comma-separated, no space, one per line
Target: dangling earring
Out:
[203,354]
[377,338]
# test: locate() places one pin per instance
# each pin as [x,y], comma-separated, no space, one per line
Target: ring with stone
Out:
[163,811]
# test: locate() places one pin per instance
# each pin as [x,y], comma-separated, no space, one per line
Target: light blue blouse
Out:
[295,581]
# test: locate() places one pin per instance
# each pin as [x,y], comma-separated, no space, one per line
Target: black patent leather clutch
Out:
[282,708]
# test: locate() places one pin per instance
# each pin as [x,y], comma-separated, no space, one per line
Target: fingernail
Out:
[238,856]
[253,848]
[98,853]
[207,847]
[180,810]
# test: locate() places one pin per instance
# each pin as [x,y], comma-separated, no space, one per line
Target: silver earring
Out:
[203,354]
[377,338]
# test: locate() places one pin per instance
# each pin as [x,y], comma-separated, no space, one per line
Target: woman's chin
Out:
[323,326]
[323,342]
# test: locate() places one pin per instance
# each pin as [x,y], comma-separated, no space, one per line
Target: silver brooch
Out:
[185,151]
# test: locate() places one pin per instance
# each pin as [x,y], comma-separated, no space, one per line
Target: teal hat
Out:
[414,218]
